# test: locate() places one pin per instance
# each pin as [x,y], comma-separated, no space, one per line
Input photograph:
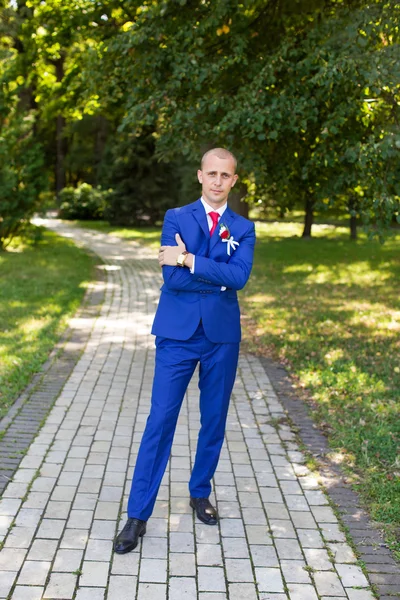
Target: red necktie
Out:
[214,216]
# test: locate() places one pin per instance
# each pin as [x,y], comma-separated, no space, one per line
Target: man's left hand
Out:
[167,255]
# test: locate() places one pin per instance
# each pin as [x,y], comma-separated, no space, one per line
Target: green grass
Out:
[329,309]
[40,287]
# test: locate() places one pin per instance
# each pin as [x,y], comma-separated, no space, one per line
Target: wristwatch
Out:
[180,261]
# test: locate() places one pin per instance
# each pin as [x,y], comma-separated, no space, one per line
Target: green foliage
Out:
[83,202]
[306,94]
[143,187]
[21,176]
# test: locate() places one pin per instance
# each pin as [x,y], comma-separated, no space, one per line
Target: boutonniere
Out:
[226,236]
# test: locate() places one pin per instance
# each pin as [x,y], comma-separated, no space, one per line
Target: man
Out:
[206,256]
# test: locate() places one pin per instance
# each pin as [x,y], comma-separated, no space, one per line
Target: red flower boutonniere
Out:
[226,236]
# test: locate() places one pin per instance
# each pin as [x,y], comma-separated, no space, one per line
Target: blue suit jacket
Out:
[186,298]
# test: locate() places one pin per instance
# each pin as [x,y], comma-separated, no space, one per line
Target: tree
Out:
[305,94]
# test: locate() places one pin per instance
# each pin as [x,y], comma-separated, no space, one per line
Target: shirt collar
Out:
[209,208]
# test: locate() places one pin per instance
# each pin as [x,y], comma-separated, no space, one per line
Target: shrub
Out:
[84,202]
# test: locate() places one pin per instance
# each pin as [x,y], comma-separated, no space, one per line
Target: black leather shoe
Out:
[204,510]
[128,539]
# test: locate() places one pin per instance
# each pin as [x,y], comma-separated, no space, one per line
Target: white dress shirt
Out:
[210,222]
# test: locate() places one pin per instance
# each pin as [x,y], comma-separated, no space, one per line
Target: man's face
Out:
[217,178]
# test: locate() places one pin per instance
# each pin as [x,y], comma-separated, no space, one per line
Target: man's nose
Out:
[218,180]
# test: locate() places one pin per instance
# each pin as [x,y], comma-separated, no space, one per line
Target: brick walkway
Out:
[278,538]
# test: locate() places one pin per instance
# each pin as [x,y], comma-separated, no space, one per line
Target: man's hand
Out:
[167,255]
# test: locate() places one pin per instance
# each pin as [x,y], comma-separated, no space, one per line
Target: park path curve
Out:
[278,537]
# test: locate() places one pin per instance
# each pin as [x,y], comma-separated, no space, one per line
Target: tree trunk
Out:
[308,217]
[353,227]
[100,142]
[60,155]
[61,145]
[235,200]
[352,206]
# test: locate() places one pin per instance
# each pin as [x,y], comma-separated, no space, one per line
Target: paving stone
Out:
[183,565]
[269,580]
[209,554]
[25,592]
[6,582]
[43,550]
[94,574]
[11,559]
[303,520]
[61,586]
[150,591]
[264,556]
[258,534]
[238,570]
[51,529]
[99,550]
[211,579]
[328,584]
[282,529]
[242,591]
[74,539]
[352,576]
[121,587]
[361,595]
[68,561]
[294,571]
[34,572]
[302,592]
[103,530]
[289,549]
[182,587]
[318,559]
[20,537]
[90,594]
[153,570]
[125,564]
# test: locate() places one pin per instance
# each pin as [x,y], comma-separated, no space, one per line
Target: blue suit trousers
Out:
[174,366]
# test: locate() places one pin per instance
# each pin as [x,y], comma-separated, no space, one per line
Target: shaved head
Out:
[221,153]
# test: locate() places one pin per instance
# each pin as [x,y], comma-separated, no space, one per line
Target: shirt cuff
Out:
[192,267]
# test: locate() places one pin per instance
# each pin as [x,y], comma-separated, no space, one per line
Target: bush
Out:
[84,202]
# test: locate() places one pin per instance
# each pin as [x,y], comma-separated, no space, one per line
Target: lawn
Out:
[40,287]
[329,309]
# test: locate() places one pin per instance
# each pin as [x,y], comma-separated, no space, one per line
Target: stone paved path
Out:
[277,539]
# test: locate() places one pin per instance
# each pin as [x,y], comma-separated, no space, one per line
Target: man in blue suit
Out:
[206,256]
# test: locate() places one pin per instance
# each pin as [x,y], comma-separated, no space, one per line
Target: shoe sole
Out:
[130,548]
[199,517]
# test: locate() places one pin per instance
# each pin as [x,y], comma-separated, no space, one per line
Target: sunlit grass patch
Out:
[40,287]
[150,236]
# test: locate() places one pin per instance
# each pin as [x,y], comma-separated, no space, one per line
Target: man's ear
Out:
[235,178]
[200,176]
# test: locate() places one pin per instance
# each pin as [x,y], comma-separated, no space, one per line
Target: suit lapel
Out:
[226,219]
[200,215]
